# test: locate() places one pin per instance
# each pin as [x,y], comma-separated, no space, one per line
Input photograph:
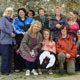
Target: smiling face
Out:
[21,14]
[58,12]
[30,14]
[70,17]
[64,31]
[35,28]
[41,12]
[46,35]
[9,13]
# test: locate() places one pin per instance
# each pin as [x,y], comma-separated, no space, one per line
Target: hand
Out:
[13,35]
[68,55]
[58,26]
[77,55]
[32,55]
[45,49]
[24,33]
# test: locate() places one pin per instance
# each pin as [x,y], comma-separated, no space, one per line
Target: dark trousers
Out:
[19,62]
[6,60]
[30,65]
[78,63]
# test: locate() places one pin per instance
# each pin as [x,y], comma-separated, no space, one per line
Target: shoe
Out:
[50,72]
[27,73]
[17,70]
[6,73]
[39,71]
[60,73]
[34,72]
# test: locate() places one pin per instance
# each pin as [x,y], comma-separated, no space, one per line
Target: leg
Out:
[10,58]
[19,62]
[61,59]
[4,61]
[28,65]
[71,66]
[34,64]
[33,68]
[28,68]
[77,66]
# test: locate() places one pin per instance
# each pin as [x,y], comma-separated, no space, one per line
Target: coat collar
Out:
[68,37]
[8,18]
[30,33]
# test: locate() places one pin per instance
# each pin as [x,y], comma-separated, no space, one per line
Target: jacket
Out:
[52,25]
[67,46]
[22,26]
[26,42]
[6,28]
[51,46]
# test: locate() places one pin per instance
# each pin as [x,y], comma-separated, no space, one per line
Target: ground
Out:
[45,76]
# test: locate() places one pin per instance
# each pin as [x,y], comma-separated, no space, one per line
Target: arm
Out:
[17,29]
[24,47]
[73,50]
[52,25]
[4,27]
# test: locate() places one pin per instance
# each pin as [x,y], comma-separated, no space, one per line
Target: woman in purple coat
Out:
[7,39]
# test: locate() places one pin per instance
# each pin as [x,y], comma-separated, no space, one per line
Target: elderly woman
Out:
[66,50]
[56,22]
[7,39]
[29,46]
[73,25]
[21,25]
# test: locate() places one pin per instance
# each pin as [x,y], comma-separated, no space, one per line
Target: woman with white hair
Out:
[7,39]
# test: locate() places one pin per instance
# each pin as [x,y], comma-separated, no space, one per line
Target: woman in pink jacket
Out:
[73,26]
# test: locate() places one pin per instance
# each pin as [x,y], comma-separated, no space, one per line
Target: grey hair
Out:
[9,8]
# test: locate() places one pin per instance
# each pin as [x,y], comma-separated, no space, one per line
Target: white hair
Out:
[7,9]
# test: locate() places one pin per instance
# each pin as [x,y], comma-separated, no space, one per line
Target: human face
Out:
[30,14]
[41,12]
[64,31]
[9,13]
[70,17]
[75,16]
[46,35]
[78,33]
[58,12]
[35,28]
[21,14]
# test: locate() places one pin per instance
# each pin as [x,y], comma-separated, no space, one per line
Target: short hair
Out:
[7,9]
[38,23]
[40,9]
[23,9]
[58,7]
[50,37]
[63,26]
[32,12]
[75,12]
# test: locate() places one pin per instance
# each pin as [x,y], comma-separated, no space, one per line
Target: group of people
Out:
[26,35]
